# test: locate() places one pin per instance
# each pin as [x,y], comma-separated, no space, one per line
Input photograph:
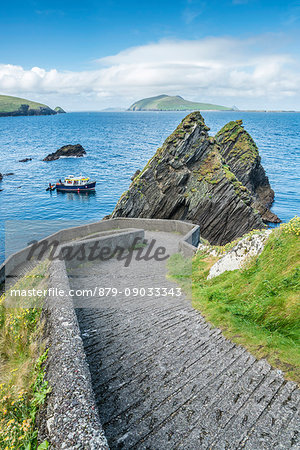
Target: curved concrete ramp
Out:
[164,379]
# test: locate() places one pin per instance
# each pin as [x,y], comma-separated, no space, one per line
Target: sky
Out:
[93,55]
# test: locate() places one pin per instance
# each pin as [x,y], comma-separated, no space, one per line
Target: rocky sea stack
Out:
[67,151]
[59,110]
[217,182]
[241,154]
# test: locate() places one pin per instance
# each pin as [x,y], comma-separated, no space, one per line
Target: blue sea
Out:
[117,144]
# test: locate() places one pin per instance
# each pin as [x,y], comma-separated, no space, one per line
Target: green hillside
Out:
[258,306]
[59,110]
[172,103]
[15,106]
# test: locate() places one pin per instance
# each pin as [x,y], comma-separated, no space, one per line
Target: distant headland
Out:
[16,106]
[173,103]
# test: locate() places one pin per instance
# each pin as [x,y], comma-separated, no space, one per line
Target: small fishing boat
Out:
[75,184]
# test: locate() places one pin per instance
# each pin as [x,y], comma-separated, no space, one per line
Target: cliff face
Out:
[189,178]
[240,152]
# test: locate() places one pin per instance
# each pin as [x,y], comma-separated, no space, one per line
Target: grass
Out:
[9,104]
[22,354]
[172,103]
[258,306]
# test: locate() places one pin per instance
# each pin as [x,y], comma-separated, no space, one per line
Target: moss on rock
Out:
[237,142]
[191,177]
[210,169]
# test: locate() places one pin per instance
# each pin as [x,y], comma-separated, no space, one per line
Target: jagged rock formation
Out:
[66,151]
[240,152]
[137,172]
[190,178]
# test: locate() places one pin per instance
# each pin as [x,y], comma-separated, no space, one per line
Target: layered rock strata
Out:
[216,182]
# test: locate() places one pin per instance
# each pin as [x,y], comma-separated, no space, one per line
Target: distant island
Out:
[59,110]
[16,106]
[173,103]
[113,109]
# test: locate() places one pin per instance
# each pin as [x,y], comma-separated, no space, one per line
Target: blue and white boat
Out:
[76,184]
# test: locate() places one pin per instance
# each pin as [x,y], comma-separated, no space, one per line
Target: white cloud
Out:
[222,70]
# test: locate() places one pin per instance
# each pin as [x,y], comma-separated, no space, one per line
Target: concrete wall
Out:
[121,239]
[67,372]
[187,245]
[70,417]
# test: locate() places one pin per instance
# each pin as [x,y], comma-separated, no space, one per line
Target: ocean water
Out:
[117,144]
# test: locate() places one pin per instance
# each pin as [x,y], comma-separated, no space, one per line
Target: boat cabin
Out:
[75,181]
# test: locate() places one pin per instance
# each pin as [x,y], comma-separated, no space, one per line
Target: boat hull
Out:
[85,188]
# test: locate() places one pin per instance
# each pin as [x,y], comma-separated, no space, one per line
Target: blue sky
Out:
[112,45]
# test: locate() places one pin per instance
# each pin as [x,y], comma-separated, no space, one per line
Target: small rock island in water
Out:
[67,151]
[216,182]
[59,110]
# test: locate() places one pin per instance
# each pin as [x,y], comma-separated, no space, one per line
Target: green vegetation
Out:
[22,354]
[172,103]
[232,128]
[258,306]
[10,104]
[242,145]
[239,188]
[59,110]
[211,169]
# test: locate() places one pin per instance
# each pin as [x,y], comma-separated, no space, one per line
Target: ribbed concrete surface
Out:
[163,379]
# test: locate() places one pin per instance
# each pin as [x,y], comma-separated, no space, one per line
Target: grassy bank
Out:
[22,354]
[258,306]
